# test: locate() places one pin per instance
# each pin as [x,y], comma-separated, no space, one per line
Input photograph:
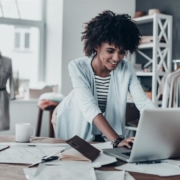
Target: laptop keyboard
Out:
[127,153]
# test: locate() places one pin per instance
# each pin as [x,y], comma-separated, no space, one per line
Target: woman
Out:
[101,80]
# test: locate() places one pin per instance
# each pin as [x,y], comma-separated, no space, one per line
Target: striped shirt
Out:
[102,87]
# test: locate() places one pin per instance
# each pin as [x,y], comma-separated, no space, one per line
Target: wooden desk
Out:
[15,172]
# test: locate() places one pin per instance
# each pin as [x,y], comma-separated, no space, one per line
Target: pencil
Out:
[4,148]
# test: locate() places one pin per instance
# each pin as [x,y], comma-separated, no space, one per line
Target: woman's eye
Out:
[122,52]
[110,52]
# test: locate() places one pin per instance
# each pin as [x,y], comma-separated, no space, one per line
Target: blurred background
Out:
[42,36]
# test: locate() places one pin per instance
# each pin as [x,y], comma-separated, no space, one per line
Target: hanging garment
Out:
[175,95]
[178,93]
[166,91]
[172,90]
[5,74]
[76,112]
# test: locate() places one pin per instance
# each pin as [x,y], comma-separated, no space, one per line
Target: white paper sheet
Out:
[105,145]
[29,172]
[172,162]
[100,175]
[101,160]
[33,144]
[160,169]
[26,155]
[112,175]
[3,147]
[68,170]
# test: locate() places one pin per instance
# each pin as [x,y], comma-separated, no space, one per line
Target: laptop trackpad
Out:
[118,150]
[124,149]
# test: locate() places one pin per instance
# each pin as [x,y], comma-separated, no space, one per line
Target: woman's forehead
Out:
[107,45]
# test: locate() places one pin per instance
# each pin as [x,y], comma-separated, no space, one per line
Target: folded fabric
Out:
[149,39]
[52,97]
[43,104]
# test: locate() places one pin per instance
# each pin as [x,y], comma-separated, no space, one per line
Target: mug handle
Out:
[33,128]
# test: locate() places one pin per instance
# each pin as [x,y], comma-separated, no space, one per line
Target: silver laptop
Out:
[157,137]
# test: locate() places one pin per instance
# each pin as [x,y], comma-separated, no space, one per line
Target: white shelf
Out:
[151,45]
[131,128]
[161,73]
[149,73]
[148,19]
[144,19]
[144,73]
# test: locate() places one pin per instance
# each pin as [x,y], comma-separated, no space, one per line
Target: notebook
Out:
[80,151]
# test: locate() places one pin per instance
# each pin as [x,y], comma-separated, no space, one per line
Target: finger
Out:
[123,143]
[130,140]
[127,145]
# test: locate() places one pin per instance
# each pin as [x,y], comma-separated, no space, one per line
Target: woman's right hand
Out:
[126,142]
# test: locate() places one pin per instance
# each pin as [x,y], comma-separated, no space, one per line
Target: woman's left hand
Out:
[126,142]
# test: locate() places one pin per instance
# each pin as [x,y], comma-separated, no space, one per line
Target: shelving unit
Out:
[161,52]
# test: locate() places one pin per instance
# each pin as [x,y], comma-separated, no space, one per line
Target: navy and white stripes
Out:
[102,88]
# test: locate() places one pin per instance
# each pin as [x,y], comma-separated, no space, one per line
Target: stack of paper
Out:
[101,160]
[26,154]
[160,169]
[172,162]
[67,170]
[112,175]
[75,171]
[29,153]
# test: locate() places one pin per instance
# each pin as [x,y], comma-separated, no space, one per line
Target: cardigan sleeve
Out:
[140,99]
[82,92]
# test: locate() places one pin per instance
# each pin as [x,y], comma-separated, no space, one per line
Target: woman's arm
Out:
[140,99]
[107,130]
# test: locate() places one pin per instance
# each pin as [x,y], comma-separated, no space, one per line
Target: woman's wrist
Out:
[117,141]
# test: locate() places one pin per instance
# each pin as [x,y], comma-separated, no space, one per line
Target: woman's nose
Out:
[116,56]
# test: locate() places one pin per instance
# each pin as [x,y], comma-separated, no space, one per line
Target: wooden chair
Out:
[47,102]
[39,120]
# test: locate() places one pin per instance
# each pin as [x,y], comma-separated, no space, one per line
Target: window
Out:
[17,40]
[21,45]
[22,39]
[22,27]
[21,9]
[27,40]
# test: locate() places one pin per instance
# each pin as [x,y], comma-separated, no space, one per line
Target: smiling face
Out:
[109,56]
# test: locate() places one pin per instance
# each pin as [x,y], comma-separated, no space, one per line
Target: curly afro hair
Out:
[116,29]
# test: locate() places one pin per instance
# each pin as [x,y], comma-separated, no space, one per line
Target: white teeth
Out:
[113,62]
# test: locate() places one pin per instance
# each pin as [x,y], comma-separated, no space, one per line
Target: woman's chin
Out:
[111,68]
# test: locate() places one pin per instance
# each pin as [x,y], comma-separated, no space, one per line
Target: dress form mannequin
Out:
[5,74]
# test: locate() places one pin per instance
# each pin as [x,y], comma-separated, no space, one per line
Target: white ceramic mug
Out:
[24,131]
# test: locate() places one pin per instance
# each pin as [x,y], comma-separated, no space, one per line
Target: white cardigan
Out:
[76,112]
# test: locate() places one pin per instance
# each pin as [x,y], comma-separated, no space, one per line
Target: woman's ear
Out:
[95,48]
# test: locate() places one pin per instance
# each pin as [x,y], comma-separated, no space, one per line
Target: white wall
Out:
[54,14]
[26,111]
[75,13]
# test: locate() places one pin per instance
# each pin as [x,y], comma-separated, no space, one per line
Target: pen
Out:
[149,162]
[31,145]
[4,148]
[68,147]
